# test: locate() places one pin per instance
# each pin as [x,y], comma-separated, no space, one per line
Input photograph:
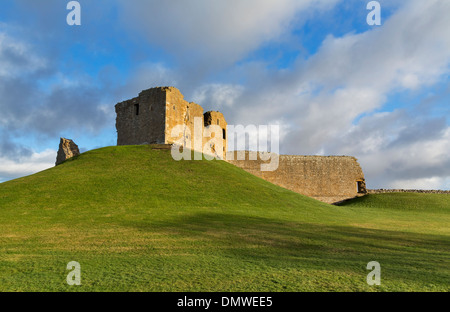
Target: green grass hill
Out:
[136,220]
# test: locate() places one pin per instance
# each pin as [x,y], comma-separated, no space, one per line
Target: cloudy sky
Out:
[336,85]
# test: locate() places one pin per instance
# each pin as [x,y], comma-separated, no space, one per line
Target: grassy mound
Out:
[136,220]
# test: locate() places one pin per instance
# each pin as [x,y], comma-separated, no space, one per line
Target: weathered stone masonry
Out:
[326,178]
[67,149]
[150,118]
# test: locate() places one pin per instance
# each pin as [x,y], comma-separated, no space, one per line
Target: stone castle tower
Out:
[151,117]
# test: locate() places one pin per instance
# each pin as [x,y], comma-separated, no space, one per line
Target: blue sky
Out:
[336,85]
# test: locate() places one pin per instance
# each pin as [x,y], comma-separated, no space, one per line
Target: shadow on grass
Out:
[422,258]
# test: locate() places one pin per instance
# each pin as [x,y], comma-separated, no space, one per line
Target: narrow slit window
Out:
[224,134]
[136,109]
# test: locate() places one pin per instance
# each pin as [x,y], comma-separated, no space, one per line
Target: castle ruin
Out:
[151,117]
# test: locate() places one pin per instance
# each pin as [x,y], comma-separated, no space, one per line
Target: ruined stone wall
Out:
[142,119]
[67,149]
[151,117]
[327,178]
[181,112]
[217,118]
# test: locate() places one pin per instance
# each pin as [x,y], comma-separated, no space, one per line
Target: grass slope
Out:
[136,220]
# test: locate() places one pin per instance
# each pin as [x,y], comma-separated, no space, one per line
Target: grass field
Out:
[136,220]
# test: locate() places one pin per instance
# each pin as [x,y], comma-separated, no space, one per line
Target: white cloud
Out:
[213,31]
[433,183]
[409,50]
[36,97]
[216,95]
[355,75]
[391,158]
[152,74]
[23,166]
[445,185]
[16,57]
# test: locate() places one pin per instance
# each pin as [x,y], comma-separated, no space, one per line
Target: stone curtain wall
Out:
[326,178]
[382,191]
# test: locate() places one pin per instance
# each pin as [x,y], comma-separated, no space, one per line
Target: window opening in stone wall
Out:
[217,121]
[136,109]
[360,186]
[224,134]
